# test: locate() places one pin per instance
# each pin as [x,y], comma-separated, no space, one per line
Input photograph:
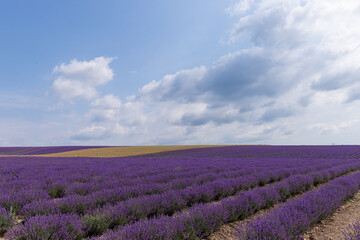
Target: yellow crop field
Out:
[117,151]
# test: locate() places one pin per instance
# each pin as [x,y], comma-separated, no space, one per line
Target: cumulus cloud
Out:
[233,77]
[79,79]
[301,61]
[111,109]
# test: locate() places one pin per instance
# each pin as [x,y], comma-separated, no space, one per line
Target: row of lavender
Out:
[136,210]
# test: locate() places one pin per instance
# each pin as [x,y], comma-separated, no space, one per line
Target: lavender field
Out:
[41,150]
[184,194]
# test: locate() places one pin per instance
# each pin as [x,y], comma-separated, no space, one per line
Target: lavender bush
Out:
[53,227]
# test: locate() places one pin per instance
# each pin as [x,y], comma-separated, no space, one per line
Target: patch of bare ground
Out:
[331,227]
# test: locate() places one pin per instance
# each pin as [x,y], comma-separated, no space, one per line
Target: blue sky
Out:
[149,38]
[179,72]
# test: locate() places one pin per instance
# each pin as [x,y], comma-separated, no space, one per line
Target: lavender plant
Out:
[53,227]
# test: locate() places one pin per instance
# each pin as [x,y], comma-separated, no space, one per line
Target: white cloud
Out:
[240,7]
[105,109]
[79,79]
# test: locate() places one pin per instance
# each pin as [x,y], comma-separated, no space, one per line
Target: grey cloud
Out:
[273,114]
[180,87]
[217,118]
[305,100]
[98,117]
[246,79]
[246,108]
[268,28]
[194,120]
[244,75]
[353,96]
[336,81]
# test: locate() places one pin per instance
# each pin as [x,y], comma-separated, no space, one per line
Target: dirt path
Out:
[331,227]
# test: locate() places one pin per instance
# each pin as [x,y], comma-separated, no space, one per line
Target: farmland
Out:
[173,193]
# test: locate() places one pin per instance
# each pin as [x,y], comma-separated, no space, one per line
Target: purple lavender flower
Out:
[352,232]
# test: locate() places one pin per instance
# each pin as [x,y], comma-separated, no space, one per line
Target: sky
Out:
[161,72]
